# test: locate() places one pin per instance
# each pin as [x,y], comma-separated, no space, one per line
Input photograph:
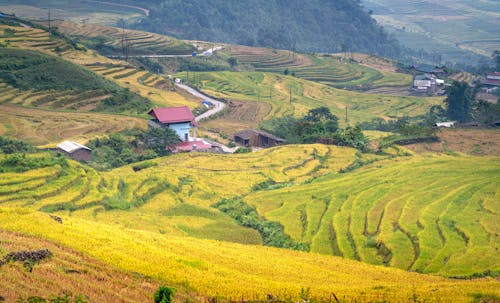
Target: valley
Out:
[381,207]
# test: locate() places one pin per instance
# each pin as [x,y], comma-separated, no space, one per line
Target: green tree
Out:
[158,139]
[496,58]
[459,100]
[164,294]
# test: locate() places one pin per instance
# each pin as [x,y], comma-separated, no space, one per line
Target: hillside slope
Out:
[313,26]
[228,270]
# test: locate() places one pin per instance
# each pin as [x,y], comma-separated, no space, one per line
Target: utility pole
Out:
[290,95]
[346,120]
[49,22]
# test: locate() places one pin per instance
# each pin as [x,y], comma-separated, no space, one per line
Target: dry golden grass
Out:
[477,142]
[44,127]
[67,271]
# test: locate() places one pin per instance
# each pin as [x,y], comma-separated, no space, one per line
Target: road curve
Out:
[218,105]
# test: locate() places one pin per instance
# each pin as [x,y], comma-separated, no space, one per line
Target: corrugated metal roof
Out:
[71,147]
[172,114]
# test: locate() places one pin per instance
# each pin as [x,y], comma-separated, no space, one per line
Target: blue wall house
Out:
[179,119]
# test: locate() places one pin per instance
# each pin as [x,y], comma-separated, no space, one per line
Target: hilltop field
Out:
[310,222]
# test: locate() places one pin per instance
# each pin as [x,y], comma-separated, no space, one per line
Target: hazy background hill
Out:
[312,26]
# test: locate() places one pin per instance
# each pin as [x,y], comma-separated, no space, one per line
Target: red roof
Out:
[188,146]
[171,115]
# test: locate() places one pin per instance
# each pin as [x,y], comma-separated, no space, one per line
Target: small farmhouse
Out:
[179,119]
[491,81]
[445,124]
[425,83]
[75,151]
[257,138]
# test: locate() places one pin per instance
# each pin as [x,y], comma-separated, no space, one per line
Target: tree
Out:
[496,58]
[459,100]
[320,114]
[164,294]
[158,139]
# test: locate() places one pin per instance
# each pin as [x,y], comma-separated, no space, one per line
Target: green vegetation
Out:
[116,150]
[322,26]
[32,70]
[21,162]
[11,146]
[459,99]
[318,125]
[271,232]
[164,294]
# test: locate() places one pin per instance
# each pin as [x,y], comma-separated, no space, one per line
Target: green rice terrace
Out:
[288,95]
[432,215]
[337,71]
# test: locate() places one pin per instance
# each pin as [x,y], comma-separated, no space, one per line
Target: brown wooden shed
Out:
[75,151]
[257,138]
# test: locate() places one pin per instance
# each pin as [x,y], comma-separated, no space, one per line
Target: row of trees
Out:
[318,125]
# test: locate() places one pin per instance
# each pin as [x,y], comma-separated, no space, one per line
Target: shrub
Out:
[164,294]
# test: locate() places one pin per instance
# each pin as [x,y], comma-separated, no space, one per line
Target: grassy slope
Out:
[67,271]
[232,270]
[436,214]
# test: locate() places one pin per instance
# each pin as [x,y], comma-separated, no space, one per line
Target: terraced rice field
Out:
[334,71]
[176,194]
[41,127]
[52,99]
[148,85]
[33,38]
[141,43]
[275,90]
[154,87]
[464,77]
[431,215]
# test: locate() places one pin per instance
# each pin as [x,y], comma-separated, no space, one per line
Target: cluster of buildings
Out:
[182,121]
[425,79]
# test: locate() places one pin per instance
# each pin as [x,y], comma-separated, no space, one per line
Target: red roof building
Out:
[179,119]
[172,115]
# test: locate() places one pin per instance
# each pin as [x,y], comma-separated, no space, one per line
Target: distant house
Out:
[257,138]
[491,80]
[445,124]
[179,119]
[425,83]
[75,151]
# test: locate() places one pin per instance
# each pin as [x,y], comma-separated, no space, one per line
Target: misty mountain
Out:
[311,26]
